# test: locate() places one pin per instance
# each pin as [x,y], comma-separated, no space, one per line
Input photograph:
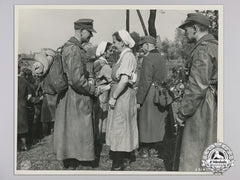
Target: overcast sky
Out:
[40,28]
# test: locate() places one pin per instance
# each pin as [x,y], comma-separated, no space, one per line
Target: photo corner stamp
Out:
[218,158]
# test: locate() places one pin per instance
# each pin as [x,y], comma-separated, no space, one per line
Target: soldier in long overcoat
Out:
[199,106]
[73,129]
[151,116]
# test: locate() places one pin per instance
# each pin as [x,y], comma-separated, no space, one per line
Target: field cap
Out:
[147,39]
[196,18]
[85,24]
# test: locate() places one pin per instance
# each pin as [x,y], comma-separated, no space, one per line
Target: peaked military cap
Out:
[85,24]
[147,39]
[196,18]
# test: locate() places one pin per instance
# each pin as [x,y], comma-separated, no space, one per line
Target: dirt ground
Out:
[41,157]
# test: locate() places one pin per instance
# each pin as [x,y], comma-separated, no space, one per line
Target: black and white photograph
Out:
[118,89]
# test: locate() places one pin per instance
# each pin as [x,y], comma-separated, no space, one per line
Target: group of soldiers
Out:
[34,119]
[110,108]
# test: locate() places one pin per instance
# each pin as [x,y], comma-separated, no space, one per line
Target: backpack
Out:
[55,81]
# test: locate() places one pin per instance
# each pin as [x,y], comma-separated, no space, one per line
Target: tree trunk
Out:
[127,20]
[142,22]
[151,24]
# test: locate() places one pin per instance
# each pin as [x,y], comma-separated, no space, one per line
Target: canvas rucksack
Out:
[55,80]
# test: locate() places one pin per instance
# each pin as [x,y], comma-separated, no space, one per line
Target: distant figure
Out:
[152,116]
[36,123]
[48,113]
[49,101]
[102,77]
[102,72]
[24,95]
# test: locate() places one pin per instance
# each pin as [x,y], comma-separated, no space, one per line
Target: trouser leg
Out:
[23,142]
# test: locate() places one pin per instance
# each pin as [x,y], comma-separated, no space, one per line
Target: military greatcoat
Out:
[199,106]
[73,130]
[151,119]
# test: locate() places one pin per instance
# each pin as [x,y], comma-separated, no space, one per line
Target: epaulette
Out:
[204,43]
[213,41]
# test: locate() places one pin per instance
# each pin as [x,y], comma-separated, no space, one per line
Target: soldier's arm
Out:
[77,74]
[198,83]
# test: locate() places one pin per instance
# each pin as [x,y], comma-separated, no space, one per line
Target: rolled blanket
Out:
[44,60]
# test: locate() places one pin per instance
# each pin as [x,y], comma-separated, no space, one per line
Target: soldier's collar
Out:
[75,41]
[205,38]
